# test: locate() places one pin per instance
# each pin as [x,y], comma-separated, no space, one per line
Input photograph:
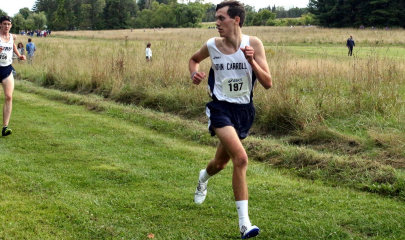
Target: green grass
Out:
[70,173]
[332,157]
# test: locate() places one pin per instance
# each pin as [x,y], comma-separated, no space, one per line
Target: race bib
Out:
[235,87]
[3,57]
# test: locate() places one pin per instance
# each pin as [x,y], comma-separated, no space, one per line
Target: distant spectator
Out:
[350,44]
[30,50]
[148,52]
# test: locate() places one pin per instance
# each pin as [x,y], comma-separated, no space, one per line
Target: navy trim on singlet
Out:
[211,83]
[253,84]
[211,80]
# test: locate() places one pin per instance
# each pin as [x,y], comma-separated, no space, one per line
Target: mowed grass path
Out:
[70,173]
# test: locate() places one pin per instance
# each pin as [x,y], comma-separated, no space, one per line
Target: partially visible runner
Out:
[30,47]
[7,47]
[237,62]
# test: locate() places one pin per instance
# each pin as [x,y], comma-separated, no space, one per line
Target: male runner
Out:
[237,62]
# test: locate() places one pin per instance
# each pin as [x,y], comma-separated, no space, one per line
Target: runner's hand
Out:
[198,77]
[249,53]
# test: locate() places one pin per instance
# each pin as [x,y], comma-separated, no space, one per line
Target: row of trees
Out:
[121,14]
[280,12]
[118,14]
[354,13]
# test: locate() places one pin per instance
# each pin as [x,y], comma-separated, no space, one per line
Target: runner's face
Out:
[224,22]
[6,26]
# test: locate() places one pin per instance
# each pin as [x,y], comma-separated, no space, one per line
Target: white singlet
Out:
[6,56]
[231,78]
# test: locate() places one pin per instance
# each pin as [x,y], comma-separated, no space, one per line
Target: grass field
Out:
[70,173]
[346,114]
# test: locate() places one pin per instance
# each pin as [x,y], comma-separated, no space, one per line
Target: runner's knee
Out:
[241,161]
[8,97]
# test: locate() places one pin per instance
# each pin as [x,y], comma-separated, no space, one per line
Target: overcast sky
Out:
[13,6]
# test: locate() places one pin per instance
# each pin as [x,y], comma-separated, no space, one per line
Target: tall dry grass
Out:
[308,88]
[272,35]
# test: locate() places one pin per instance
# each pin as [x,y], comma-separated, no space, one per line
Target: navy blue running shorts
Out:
[239,116]
[5,72]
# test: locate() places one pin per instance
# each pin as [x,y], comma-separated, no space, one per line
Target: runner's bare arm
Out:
[194,64]
[256,57]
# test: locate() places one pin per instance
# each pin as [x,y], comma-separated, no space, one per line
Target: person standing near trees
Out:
[7,47]
[350,44]
[238,62]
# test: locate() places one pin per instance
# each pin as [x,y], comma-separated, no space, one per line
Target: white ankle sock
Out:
[204,176]
[242,207]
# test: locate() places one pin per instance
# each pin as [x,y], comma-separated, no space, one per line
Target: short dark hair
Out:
[5,18]
[148,45]
[29,40]
[235,9]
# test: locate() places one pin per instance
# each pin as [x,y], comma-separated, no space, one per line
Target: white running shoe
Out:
[200,191]
[249,232]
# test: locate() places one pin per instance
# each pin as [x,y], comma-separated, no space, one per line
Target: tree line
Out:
[356,13]
[124,14]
